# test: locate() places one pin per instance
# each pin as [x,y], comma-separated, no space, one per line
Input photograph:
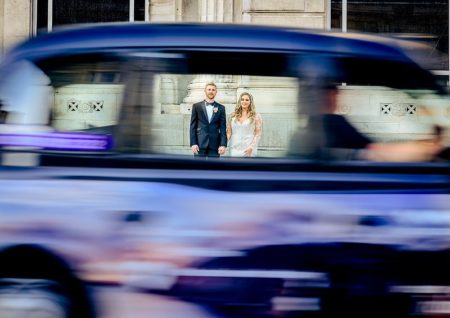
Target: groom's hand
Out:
[222,150]
[195,149]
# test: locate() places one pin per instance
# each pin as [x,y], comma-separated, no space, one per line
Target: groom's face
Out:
[210,91]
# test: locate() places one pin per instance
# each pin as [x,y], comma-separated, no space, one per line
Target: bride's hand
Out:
[248,152]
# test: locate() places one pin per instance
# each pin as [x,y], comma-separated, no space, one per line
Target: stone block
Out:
[270,5]
[377,128]
[315,5]
[168,130]
[380,137]
[162,10]
[281,100]
[162,6]
[10,41]
[68,125]
[272,153]
[186,108]
[170,109]
[414,127]
[312,21]
[186,126]
[16,17]
[356,104]
[244,82]
[277,130]
[87,105]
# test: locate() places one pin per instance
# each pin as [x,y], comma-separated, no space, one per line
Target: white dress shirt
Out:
[209,111]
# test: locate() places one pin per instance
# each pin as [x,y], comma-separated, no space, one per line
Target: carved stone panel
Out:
[398,109]
[86,106]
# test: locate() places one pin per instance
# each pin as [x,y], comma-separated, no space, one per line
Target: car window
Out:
[375,123]
[143,103]
[61,104]
[25,93]
[361,122]
[88,92]
[173,107]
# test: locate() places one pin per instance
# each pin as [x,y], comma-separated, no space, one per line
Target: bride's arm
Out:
[229,126]
[258,131]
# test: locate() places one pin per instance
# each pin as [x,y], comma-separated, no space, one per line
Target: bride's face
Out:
[245,102]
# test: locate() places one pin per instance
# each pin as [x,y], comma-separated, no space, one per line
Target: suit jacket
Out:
[208,135]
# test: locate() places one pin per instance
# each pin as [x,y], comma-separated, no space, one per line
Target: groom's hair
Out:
[210,84]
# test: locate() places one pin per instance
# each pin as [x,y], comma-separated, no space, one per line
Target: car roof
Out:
[353,50]
[97,37]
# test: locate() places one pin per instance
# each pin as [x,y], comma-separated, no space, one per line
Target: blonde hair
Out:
[211,84]
[251,108]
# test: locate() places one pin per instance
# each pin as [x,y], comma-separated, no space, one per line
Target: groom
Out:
[208,125]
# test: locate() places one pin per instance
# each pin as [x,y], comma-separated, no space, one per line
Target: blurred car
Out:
[104,213]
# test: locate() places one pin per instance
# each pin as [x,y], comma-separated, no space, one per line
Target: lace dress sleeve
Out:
[229,126]
[258,131]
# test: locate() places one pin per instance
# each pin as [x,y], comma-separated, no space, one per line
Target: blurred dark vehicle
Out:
[321,280]
[105,213]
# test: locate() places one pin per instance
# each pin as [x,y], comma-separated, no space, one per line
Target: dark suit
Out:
[209,136]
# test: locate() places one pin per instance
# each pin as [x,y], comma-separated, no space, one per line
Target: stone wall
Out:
[298,13]
[2,22]
[78,107]
[385,114]
[15,22]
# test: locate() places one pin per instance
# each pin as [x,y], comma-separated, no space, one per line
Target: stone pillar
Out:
[165,10]
[226,91]
[173,90]
[216,11]
[2,19]
[15,23]
[213,11]
[177,10]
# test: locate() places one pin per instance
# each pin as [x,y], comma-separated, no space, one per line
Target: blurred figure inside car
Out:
[328,135]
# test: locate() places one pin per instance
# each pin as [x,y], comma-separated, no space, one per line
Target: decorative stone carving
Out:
[385,109]
[398,109]
[344,109]
[72,105]
[77,105]
[97,105]
[410,109]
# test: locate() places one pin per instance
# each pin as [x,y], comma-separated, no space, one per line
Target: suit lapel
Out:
[216,106]
[204,111]
[214,114]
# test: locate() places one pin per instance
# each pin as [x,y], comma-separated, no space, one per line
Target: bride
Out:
[244,128]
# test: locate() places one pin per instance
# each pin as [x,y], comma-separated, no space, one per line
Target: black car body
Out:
[106,220]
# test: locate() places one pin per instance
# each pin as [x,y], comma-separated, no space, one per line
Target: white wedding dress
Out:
[244,135]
